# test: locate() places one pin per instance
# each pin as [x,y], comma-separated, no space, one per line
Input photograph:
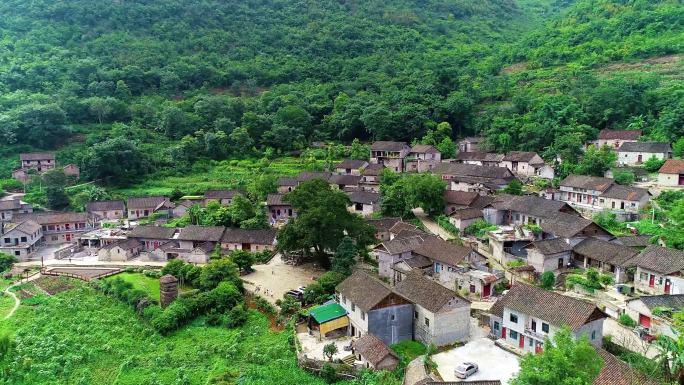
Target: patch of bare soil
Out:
[663,61]
[515,68]
[54,285]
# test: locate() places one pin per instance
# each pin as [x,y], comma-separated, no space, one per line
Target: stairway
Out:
[349,360]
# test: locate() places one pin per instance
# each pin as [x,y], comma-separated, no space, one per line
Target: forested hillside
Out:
[170,82]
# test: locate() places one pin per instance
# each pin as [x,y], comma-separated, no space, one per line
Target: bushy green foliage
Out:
[479,228]
[626,320]
[323,289]
[6,262]
[653,164]
[547,280]
[402,193]
[623,177]
[443,221]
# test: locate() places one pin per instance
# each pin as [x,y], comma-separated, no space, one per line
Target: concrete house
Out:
[249,240]
[373,353]
[389,154]
[152,237]
[641,310]
[61,227]
[311,175]
[527,164]
[470,144]
[422,158]
[549,255]
[286,185]
[478,158]
[10,208]
[671,174]
[615,138]
[373,307]
[224,197]
[583,191]
[107,210]
[395,250]
[72,170]
[659,270]
[350,167]
[382,227]
[144,207]
[480,179]
[38,161]
[465,217]
[370,177]
[364,203]
[607,257]
[20,239]
[344,182]
[636,153]
[181,208]
[459,200]
[279,211]
[625,201]
[445,258]
[527,314]
[120,251]
[196,243]
[440,316]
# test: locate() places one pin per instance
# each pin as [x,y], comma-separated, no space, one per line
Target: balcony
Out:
[534,334]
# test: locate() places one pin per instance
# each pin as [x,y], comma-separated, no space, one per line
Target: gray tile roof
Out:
[222,194]
[649,147]
[201,233]
[310,175]
[465,214]
[551,246]
[587,182]
[365,197]
[442,251]
[152,232]
[424,148]
[634,240]
[620,134]
[146,202]
[567,225]
[259,237]
[353,164]
[520,156]
[625,193]
[604,251]
[672,301]
[50,218]
[364,290]
[383,224]
[286,181]
[425,292]
[124,244]
[276,200]
[531,205]
[10,204]
[27,227]
[388,146]
[37,156]
[479,156]
[347,180]
[399,245]
[616,372]
[463,198]
[372,170]
[472,170]
[106,206]
[372,349]
[660,259]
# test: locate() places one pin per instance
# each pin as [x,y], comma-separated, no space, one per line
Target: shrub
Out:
[236,317]
[547,280]
[174,267]
[653,164]
[627,321]
[443,221]
[479,228]
[328,373]
[5,344]
[264,306]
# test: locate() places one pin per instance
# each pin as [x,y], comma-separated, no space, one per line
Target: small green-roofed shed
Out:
[328,318]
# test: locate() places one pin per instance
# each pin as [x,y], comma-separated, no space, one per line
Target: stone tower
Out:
[168,290]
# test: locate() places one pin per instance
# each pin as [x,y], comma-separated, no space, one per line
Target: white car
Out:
[465,370]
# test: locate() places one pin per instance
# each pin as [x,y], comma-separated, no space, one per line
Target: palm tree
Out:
[671,357]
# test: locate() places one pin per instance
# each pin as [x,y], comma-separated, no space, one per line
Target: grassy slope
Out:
[82,337]
[140,281]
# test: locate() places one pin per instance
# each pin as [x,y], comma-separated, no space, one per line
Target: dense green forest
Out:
[154,85]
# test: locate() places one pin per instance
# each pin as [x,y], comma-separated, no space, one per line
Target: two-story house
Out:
[549,255]
[583,191]
[9,208]
[671,174]
[615,138]
[279,211]
[527,164]
[152,237]
[422,158]
[479,158]
[470,144]
[625,201]
[345,182]
[389,154]
[38,161]
[350,167]
[61,227]
[196,243]
[144,207]
[286,185]
[370,177]
[527,314]
[468,177]
[637,153]
[249,240]
[659,270]
[120,251]
[20,239]
[107,210]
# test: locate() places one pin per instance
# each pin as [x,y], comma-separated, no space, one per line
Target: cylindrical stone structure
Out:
[168,290]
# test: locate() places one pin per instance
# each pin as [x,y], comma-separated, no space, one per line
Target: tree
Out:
[243,259]
[173,122]
[345,257]
[623,177]
[653,164]
[174,267]
[678,148]
[260,186]
[596,161]
[358,150]
[217,271]
[547,280]
[117,161]
[55,183]
[447,147]
[6,262]
[514,188]
[671,350]
[401,193]
[41,125]
[241,209]
[322,221]
[329,350]
[564,361]
[241,143]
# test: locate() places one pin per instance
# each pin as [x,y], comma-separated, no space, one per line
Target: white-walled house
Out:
[659,270]
[9,208]
[615,138]
[584,191]
[607,257]
[672,173]
[641,310]
[527,164]
[364,203]
[549,254]
[637,153]
[107,210]
[120,251]
[422,158]
[20,239]
[527,314]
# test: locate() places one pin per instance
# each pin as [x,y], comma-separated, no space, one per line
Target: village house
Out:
[350,167]
[144,207]
[624,201]
[121,251]
[181,208]
[344,182]
[10,208]
[470,144]
[152,237]
[459,200]
[527,164]
[584,191]
[395,250]
[659,271]
[196,243]
[641,310]
[463,218]
[422,158]
[373,307]
[224,197]
[382,227]
[389,154]
[615,138]
[607,257]
[72,170]
[370,177]
[311,175]
[374,354]
[60,227]
[107,210]
[20,239]
[100,237]
[254,241]
[480,179]
[478,158]
[636,153]
[672,173]
[637,242]
[572,228]
[527,314]
[549,255]
[616,372]
[280,211]
[478,283]
[445,258]
[38,161]
[286,185]
[440,316]
[364,203]
[404,228]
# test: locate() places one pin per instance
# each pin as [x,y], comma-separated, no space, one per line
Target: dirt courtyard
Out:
[274,279]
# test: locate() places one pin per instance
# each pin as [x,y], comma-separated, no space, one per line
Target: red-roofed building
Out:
[672,173]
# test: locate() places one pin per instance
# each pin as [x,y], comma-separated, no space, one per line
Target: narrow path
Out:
[17,302]
[431,225]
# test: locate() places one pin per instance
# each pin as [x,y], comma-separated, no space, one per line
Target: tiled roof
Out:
[146,202]
[480,156]
[353,164]
[418,262]
[222,194]
[672,301]
[372,170]
[473,139]
[399,226]
[259,237]
[625,193]
[616,372]
[399,245]
[365,197]
[201,233]
[660,259]
[425,292]
[53,217]
[345,179]
[587,182]
[124,244]
[27,227]
[649,147]
[634,240]
[442,251]
[604,251]
[388,146]
[672,166]
[10,204]
[462,198]
[530,204]
[372,349]
[310,175]
[105,206]
[285,181]
[152,232]
[37,156]
[520,156]
[620,134]
[465,214]
[565,225]
[383,224]
[472,170]
[363,290]
[551,246]
[276,200]
[423,148]
[546,305]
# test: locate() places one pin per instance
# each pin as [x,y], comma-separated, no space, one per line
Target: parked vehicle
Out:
[466,370]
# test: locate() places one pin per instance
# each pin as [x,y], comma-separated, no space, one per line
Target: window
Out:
[593,334]
[363,315]
[392,317]
[514,318]
[427,321]
[415,314]
[17,253]
[514,335]
[344,299]
[8,240]
[545,327]
[496,326]
[23,239]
